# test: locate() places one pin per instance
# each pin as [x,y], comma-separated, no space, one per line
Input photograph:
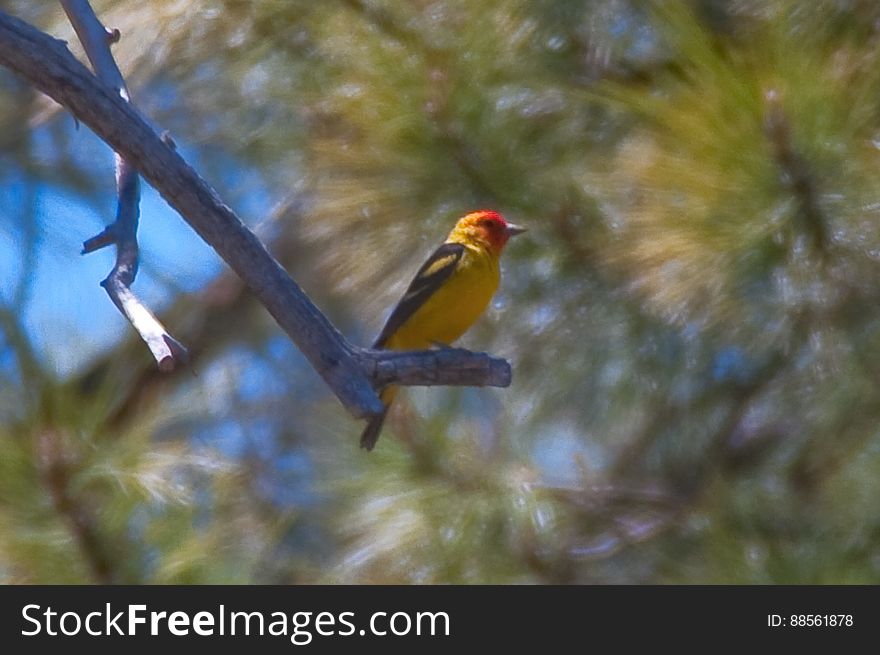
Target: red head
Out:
[485,227]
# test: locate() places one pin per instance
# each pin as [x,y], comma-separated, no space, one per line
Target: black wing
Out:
[428,279]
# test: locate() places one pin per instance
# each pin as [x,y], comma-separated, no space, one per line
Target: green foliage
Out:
[80,505]
[691,320]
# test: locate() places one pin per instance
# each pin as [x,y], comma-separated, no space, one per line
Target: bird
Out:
[447,295]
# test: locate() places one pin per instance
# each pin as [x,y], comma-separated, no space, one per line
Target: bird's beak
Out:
[512,230]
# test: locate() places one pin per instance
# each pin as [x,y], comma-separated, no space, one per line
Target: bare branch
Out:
[48,65]
[96,40]
[167,351]
[446,366]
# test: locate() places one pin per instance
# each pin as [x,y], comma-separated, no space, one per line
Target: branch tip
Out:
[447,366]
[102,240]
[167,351]
[178,350]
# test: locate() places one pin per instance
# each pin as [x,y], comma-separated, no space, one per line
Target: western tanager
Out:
[448,293]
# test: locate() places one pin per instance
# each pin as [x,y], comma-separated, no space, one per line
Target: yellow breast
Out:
[454,307]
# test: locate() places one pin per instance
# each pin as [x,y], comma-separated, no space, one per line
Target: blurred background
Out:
[693,318]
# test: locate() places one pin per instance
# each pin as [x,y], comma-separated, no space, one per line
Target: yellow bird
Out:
[448,294]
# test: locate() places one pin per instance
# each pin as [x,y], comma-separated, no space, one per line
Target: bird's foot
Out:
[441,346]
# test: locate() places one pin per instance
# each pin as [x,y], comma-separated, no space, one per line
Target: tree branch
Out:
[54,469]
[795,171]
[446,366]
[47,64]
[167,351]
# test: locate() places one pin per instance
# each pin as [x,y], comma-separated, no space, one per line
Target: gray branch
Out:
[350,372]
[122,233]
[446,366]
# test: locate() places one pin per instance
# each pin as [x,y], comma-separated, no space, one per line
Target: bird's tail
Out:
[371,433]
